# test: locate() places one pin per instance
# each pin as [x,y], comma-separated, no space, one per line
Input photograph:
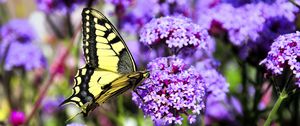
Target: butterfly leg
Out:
[139,95]
[140,88]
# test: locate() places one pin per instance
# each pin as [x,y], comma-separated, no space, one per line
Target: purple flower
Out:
[50,6]
[51,104]
[17,47]
[238,3]
[17,118]
[254,52]
[173,7]
[224,110]
[143,11]
[252,37]
[241,31]
[284,53]
[172,89]
[122,3]
[17,30]
[217,85]
[175,32]
[2,1]
[136,48]
[193,55]
[218,105]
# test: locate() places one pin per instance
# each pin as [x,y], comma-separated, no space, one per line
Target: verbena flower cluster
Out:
[218,106]
[172,89]
[284,53]
[217,86]
[245,23]
[17,46]
[50,6]
[176,32]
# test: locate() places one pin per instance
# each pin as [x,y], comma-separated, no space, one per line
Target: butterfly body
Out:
[110,69]
[122,84]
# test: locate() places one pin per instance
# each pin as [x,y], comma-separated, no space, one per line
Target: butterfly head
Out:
[142,75]
[146,74]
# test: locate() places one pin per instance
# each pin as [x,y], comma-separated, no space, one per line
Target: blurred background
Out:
[41,50]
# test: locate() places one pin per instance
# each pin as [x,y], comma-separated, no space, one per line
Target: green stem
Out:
[244,95]
[295,121]
[7,88]
[202,120]
[283,95]
[69,24]
[121,113]
[140,118]
[4,14]
[258,94]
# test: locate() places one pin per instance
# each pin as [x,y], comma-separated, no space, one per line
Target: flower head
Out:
[17,30]
[193,55]
[251,38]
[171,90]
[50,104]
[17,47]
[144,10]
[241,31]
[284,53]
[217,103]
[175,32]
[217,85]
[223,110]
[17,118]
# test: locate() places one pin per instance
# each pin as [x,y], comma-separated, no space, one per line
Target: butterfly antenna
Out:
[149,47]
[140,88]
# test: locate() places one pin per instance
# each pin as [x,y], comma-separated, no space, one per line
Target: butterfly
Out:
[110,69]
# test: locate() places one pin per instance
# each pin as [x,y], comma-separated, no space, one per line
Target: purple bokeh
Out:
[17,46]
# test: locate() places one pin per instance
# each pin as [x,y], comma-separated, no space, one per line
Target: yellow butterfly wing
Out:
[103,46]
[110,69]
[122,84]
[88,84]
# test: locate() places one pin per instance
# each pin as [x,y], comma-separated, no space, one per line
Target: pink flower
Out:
[17,118]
